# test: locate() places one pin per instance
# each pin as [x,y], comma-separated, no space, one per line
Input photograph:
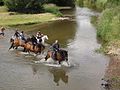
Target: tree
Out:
[63,2]
[1,2]
[25,6]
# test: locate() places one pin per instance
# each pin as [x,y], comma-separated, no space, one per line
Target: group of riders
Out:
[33,39]
[36,40]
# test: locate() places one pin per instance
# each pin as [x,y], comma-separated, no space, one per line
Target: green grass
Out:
[109,24]
[20,19]
[11,20]
[108,28]
[3,9]
[52,8]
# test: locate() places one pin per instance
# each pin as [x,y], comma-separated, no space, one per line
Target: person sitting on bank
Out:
[55,49]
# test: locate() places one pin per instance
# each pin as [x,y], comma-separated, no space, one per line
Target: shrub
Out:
[1,3]
[63,2]
[52,8]
[109,24]
[25,6]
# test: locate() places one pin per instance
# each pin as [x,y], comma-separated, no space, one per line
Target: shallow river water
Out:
[78,36]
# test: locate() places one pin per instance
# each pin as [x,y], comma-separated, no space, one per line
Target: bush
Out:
[112,3]
[63,2]
[1,3]
[109,24]
[25,6]
[52,8]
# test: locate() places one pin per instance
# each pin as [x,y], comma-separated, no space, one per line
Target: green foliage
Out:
[63,2]
[107,3]
[112,3]
[1,3]
[25,6]
[109,24]
[52,8]
[23,19]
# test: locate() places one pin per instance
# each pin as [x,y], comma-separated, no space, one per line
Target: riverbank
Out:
[108,29]
[15,19]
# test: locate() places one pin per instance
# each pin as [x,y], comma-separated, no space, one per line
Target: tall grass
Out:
[108,28]
[52,8]
[109,24]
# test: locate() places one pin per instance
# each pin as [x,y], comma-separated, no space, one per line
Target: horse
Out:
[37,49]
[16,43]
[2,29]
[45,37]
[62,55]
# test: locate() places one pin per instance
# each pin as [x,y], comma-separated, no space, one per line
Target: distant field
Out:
[19,19]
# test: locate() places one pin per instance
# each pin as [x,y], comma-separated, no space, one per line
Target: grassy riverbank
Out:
[108,30]
[12,18]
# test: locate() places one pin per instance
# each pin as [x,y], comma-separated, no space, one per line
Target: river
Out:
[78,36]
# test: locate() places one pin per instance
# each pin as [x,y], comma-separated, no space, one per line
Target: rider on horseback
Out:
[17,34]
[22,36]
[34,41]
[55,49]
[40,45]
[38,34]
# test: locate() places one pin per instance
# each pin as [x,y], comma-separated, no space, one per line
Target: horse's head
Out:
[45,37]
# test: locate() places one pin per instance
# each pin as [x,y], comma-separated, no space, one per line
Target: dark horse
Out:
[62,55]
[37,49]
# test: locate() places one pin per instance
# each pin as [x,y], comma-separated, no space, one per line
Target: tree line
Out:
[33,6]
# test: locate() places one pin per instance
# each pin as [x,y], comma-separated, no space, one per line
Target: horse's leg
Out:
[16,47]
[24,49]
[11,46]
[3,34]
[46,58]
[67,62]
[59,62]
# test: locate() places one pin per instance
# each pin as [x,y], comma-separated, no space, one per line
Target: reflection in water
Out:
[35,68]
[59,74]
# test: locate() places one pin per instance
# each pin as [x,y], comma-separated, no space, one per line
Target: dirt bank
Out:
[113,72]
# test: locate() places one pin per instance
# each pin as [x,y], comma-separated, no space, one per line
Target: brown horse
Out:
[16,43]
[62,55]
[2,29]
[37,49]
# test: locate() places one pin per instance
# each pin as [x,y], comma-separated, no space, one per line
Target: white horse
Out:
[45,37]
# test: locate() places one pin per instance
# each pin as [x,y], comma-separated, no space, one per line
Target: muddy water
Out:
[18,72]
